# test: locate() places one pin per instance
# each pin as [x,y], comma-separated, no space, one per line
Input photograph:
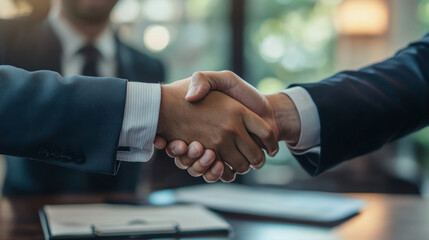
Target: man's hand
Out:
[278,110]
[219,123]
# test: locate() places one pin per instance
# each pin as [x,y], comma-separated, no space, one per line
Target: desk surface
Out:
[385,217]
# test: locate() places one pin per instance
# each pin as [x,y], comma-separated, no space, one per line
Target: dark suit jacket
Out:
[34,46]
[362,110]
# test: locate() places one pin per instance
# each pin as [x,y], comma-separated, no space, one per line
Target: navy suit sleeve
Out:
[72,122]
[362,110]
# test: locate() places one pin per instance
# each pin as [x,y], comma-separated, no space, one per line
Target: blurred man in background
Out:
[76,37]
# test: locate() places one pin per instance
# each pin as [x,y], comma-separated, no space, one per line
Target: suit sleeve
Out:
[362,110]
[73,122]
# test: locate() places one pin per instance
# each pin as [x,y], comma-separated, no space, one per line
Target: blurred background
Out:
[271,44]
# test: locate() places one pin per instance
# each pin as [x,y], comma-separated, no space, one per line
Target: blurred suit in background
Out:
[62,43]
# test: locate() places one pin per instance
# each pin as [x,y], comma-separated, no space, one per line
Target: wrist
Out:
[172,108]
[166,99]
[287,118]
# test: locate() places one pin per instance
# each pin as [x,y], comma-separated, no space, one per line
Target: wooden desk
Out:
[385,217]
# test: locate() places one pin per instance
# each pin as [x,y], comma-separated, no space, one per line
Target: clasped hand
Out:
[216,125]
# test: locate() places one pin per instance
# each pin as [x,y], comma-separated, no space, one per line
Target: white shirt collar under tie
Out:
[72,41]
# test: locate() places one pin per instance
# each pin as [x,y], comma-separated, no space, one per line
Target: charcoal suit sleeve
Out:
[73,122]
[360,111]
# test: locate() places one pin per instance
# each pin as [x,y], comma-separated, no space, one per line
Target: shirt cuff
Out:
[140,122]
[309,138]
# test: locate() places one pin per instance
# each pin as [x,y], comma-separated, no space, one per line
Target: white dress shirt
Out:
[309,140]
[142,100]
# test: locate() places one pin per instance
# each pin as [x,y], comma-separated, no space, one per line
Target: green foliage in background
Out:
[289,41]
[422,146]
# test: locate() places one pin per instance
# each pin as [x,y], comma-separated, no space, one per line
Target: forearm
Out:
[362,110]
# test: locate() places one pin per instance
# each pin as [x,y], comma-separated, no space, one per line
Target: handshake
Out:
[215,125]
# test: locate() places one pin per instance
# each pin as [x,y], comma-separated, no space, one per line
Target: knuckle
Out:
[210,178]
[233,107]
[169,152]
[198,75]
[187,161]
[243,168]
[260,157]
[193,172]
[228,73]
[211,155]
[218,141]
[258,166]
[179,164]
[198,169]
[228,179]
[260,163]
[267,133]
[238,109]
[229,127]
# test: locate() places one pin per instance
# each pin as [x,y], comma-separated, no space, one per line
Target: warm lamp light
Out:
[156,38]
[362,17]
[11,10]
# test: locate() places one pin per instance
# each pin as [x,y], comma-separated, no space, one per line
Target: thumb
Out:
[198,88]
[230,84]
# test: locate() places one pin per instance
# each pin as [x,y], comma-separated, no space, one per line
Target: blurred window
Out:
[188,35]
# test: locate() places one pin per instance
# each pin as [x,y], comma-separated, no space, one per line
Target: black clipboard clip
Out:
[136,228]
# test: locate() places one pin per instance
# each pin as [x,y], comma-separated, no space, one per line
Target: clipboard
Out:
[305,207]
[215,226]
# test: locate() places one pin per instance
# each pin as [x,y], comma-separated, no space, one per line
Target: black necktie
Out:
[91,56]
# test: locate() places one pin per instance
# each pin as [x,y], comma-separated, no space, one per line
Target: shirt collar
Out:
[72,40]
